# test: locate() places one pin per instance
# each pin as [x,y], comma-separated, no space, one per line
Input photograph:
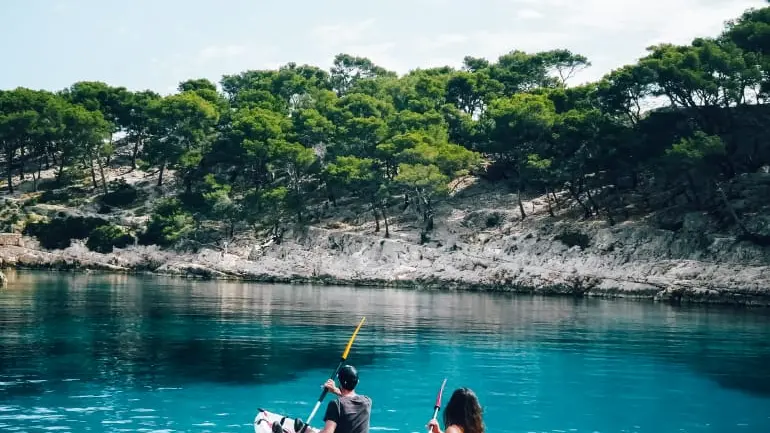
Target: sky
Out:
[144,44]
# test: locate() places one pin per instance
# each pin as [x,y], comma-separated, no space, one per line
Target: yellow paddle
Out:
[342,361]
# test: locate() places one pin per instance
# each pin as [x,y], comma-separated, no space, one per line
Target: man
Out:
[350,412]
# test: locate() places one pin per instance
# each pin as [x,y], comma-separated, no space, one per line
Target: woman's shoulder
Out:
[454,428]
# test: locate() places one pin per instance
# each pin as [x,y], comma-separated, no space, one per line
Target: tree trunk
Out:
[376,218]
[60,173]
[9,174]
[427,212]
[93,172]
[135,152]
[233,176]
[160,173]
[35,180]
[109,154]
[22,160]
[53,158]
[417,200]
[691,183]
[331,196]
[428,218]
[757,239]
[574,194]
[730,209]
[298,192]
[300,207]
[610,218]
[521,205]
[101,174]
[385,220]
[592,201]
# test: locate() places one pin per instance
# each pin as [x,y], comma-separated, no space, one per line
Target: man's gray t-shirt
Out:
[351,413]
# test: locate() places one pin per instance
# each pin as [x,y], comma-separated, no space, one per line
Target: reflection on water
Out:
[108,328]
[62,332]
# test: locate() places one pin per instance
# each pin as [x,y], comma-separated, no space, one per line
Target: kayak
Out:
[269,422]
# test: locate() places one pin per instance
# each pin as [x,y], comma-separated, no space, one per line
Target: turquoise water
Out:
[103,353]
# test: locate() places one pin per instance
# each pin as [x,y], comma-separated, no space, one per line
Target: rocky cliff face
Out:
[581,259]
[691,259]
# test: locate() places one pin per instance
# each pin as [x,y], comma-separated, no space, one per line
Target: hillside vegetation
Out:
[273,151]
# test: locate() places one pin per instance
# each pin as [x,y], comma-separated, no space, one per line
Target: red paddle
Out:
[438,399]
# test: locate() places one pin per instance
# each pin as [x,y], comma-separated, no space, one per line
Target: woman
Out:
[462,414]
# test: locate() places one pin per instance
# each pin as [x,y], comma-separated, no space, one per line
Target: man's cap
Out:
[348,377]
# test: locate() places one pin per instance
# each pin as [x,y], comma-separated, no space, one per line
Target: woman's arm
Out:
[433,426]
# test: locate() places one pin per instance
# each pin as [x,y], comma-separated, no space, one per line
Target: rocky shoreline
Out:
[623,261]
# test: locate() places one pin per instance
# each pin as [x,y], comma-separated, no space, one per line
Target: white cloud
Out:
[695,20]
[528,14]
[491,44]
[399,35]
[212,62]
[610,33]
[381,47]
[441,41]
[341,33]
[382,54]
[488,43]
[434,2]
[438,62]
[356,39]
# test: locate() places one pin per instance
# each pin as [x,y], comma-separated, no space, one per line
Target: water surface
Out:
[106,353]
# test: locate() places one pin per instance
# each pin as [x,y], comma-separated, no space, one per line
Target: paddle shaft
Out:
[437,406]
[435,412]
[336,370]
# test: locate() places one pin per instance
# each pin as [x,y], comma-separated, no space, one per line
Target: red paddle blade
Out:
[440,392]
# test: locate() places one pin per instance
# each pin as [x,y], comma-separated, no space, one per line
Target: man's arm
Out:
[329,427]
[331,417]
[332,388]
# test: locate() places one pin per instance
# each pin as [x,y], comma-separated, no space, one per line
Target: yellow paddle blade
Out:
[353,337]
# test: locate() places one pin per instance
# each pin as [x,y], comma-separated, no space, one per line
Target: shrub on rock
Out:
[104,238]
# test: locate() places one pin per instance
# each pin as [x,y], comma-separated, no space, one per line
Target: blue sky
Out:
[143,44]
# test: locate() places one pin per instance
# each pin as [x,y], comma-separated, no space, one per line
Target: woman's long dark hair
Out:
[464,410]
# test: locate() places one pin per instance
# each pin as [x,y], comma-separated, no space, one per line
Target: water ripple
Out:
[162,355]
